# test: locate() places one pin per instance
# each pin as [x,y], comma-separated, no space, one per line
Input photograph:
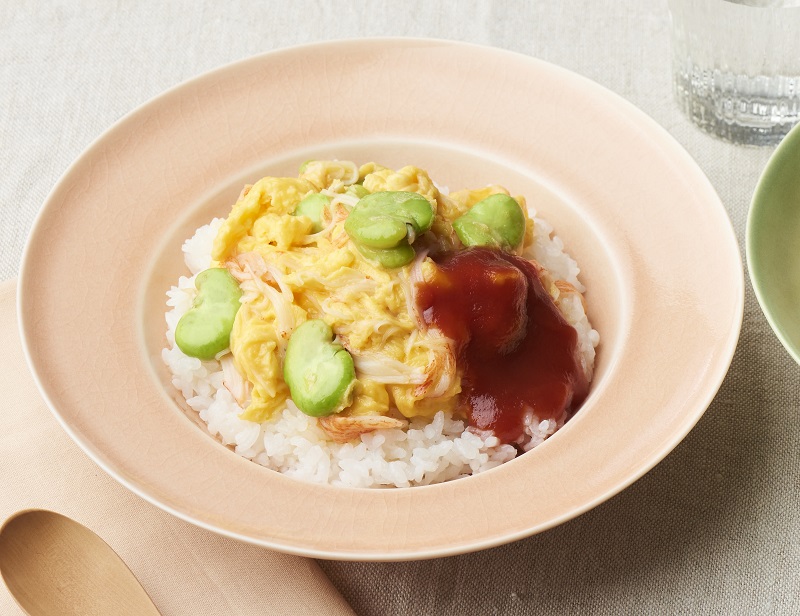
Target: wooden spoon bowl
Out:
[55,566]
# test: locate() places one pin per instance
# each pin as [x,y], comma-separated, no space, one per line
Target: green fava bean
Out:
[312,207]
[205,329]
[388,219]
[357,190]
[495,221]
[389,257]
[320,373]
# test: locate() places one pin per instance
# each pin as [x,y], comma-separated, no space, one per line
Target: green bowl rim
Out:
[770,172]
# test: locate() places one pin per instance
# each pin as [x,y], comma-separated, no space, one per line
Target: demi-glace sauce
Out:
[517,353]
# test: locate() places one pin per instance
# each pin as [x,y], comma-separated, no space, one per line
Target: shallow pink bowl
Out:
[659,258]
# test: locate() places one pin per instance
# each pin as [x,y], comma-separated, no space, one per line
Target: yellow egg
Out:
[273,195]
[288,275]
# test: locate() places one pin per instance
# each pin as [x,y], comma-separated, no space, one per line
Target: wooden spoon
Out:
[54,566]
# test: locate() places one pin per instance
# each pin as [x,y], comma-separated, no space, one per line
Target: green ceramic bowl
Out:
[773,242]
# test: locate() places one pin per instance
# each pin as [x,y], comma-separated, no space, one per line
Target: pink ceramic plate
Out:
[659,258]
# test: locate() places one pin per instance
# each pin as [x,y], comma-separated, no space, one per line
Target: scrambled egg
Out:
[288,274]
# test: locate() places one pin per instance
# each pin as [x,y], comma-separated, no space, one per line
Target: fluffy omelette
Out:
[289,273]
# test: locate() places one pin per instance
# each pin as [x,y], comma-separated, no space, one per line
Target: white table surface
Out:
[712,529]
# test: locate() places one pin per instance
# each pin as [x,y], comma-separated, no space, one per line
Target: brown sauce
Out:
[517,354]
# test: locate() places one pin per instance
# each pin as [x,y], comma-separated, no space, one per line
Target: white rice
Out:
[294,444]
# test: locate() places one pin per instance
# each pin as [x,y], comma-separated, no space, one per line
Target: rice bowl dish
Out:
[668,329]
[409,415]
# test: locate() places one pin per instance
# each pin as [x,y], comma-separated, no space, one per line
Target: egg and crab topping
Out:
[346,290]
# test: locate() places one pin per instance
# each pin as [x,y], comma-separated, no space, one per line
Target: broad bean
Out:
[205,329]
[319,372]
[495,221]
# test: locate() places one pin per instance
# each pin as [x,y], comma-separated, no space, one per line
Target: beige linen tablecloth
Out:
[186,570]
[713,529]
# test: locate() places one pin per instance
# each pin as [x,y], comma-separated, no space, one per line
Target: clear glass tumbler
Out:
[736,66]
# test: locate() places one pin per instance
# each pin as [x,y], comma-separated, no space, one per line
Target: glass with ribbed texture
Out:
[736,66]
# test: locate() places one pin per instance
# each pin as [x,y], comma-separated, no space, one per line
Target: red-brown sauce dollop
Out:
[517,353]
